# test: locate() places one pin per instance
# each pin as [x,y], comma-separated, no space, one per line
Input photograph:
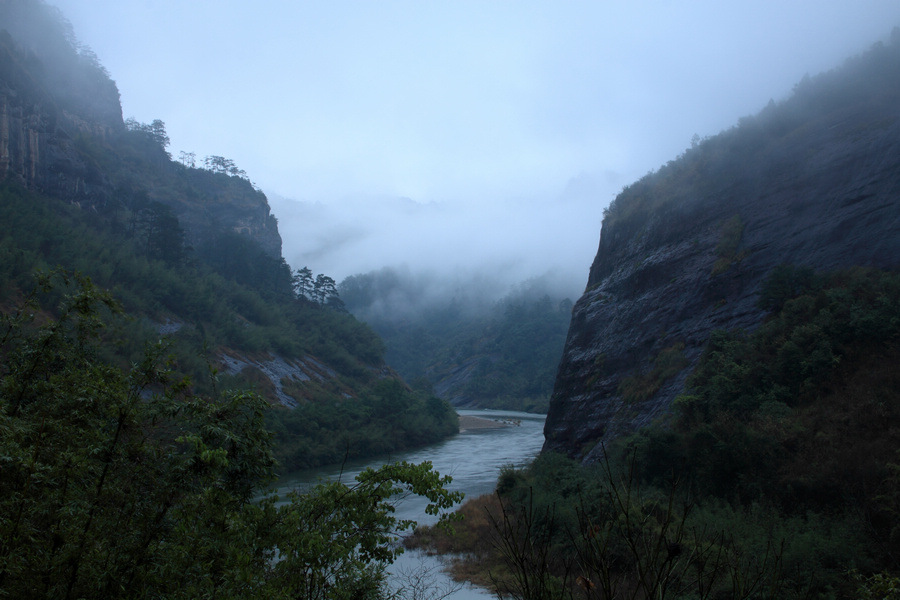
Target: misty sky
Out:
[457,133]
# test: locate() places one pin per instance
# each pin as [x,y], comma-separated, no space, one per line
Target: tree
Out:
[303,283]
[217,164]
[220,164]
[342,537]
[335,303]
[324,289]
[188,159]
[160,232]
[123,484]
[235,172]
[155,132]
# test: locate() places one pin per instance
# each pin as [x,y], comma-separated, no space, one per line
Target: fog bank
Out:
[503,242]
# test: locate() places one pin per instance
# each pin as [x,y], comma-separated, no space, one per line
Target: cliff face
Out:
[813,181]
[208,203]
[62,134]
[37,127]
[192,255]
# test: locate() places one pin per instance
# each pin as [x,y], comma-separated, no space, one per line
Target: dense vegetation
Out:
[775,477]
[469,348]
[191,253]
[219,308]
[125,484]
[755,146]
[385,418]
[776,472]
[130,466]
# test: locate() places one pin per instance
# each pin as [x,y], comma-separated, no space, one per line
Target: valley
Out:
[186,414]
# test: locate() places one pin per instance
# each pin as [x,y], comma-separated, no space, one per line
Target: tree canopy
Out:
[122,484]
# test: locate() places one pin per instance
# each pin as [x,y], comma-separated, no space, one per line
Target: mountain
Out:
[458,340]
[62,133]
[723,422]
[812,181]
[192,254]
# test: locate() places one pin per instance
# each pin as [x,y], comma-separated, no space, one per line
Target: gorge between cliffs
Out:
[723,400]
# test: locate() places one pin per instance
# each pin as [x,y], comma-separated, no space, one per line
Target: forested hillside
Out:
[725,419]
[811,181]
[189,248]
[469,348]
[124,482]
[775,476]
[160,363]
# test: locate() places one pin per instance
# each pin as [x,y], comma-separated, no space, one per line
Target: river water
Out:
[473,458]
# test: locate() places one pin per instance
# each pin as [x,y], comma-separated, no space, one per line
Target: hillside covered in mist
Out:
[724,422]
[190,249]
[457,339]
[810,182]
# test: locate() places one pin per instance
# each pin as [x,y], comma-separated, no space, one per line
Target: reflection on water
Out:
[473,458]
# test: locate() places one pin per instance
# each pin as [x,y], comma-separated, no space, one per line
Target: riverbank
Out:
[468,422]
[474,459]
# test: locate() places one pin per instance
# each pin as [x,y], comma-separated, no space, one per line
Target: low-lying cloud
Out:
[503,242]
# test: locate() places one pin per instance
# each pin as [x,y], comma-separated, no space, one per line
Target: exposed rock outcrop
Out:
[814,181]
[277,370]
[62,134]
[451,386]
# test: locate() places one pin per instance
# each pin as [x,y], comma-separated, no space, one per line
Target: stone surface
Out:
[823,192]
[71,143]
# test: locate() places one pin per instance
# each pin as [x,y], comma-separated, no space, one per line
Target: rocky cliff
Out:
[62,134]
[812,181]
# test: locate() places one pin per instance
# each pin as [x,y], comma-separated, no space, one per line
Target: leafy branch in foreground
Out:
[120,484]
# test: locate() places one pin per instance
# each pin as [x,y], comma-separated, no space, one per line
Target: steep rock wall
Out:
[62,134]
[814,182]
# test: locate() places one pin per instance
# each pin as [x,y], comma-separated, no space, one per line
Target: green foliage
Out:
[238,258]
[669,362]
[222,165]
[241,307]
[526,334]
[241,298]
[320,289]
[340,537]
[560,530]
[797,416]
[796,353]
[742,155]
[729,240]
[784,283]
[158,232]
[880,586]
[500,354]
[777,477]
[163,239]
[386,418]
[124,483]
[154,132]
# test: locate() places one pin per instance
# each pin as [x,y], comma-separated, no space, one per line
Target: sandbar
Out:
[467,422]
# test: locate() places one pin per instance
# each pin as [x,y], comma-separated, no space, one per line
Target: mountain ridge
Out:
[812,181]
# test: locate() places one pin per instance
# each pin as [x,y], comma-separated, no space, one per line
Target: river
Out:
[473,458]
